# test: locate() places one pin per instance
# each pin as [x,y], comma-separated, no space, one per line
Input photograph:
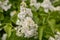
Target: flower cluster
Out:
[4,5]
[57,37]
[26,25]
[35,4]
[46,4]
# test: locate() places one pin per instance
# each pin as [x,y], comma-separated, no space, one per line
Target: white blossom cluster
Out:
[26,26]
[57,37]
[46,4]
[34,3]
[4,5]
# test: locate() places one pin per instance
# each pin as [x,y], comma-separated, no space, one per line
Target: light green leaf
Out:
[1,10]
[41,32]
[52,24]
[1,16]
[14,18]
[8,29]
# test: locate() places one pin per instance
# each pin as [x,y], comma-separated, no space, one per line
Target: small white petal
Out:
[12,13]
[51,38]
[18,22]
[4,36]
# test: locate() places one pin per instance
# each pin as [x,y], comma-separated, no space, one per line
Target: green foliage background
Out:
[49,23]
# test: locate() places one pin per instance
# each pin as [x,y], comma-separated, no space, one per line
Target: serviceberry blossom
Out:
[12,13]
[4,37]
[47,5]
[18,22]
[57,37]
[26,26]
[51,38]
[35,4]
[57,8]
[24,12]
[4,5]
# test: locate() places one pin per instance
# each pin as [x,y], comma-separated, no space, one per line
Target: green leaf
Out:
[1,10]
[57,27]
[40,1]
[8,29]
[14,18]
[52,24]
[1,16]
[56,3]
[33,8]
[41,28]
[48,32]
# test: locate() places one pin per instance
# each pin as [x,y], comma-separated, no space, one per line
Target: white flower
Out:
[33,2]
[37,5]
[4,5]
[23,4]
[12,13]
[0,29]
[58,33]
[46,10]
[21,15]
[5,2]
[22,9]
[56,37]
[47,5]
[29,33]
[29,21]
[4,36]
[29,12]
[24,12]
[18,22]
[51,38]
[26,26]
[57,8]
[19,32]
